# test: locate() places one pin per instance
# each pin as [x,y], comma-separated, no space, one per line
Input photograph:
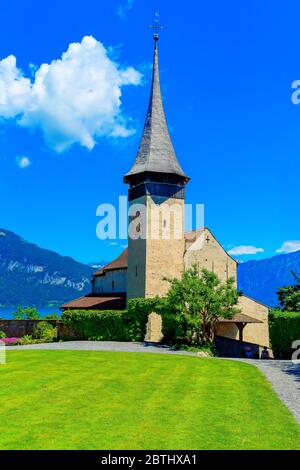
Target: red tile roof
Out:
[96,302]
[119,263]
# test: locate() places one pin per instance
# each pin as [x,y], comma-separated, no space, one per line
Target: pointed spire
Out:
[156,153]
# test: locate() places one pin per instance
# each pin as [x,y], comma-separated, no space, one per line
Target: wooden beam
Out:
[241,327]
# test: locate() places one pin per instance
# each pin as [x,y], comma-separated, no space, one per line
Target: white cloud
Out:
[123,8]
[75,99]
[245,250]
[23,162]
[289,246]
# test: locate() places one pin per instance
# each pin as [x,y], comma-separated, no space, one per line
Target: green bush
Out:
[284,329]
[45,332]
[27,339]
[110,325]
[52,316]
[28,313]
[2,334]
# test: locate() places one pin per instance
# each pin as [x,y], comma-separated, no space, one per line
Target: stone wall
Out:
[255,333]
[206,252]
[160,254]
[154,328]
[19,328]
[110,282]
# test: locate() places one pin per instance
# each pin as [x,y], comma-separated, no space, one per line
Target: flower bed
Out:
[10,341]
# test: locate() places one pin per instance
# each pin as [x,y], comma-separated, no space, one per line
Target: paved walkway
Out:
[104,346]
[283,375]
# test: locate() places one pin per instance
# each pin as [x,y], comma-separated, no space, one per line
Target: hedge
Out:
[284,330]
[110,325]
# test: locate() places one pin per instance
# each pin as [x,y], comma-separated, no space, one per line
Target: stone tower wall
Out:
[161,253]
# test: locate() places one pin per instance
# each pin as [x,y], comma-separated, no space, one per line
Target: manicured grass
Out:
[106,400]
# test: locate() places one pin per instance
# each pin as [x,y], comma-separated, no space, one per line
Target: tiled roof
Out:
[119,263]
[95,302]
[192,236]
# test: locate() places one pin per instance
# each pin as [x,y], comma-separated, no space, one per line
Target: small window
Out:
[136,271]
[113,285]
[165,223]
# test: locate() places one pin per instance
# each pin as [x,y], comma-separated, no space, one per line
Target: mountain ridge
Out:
[49,279]
[260,279]
[46,278]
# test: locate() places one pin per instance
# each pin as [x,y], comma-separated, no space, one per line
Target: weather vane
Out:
[156,26]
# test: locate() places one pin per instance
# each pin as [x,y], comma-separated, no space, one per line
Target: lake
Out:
[7,313]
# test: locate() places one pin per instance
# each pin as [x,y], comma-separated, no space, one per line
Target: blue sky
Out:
[226,72]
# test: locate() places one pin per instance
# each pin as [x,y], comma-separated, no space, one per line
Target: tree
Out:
[28,313]
[194,305]
[289,296]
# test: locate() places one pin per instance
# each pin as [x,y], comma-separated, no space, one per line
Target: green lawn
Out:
[107,400]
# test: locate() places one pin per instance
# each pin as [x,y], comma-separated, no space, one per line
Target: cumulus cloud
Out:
[74,99]
[123,8]
[23,162]
[289,246]
[245,250]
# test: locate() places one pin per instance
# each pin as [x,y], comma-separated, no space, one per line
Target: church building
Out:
[157,244]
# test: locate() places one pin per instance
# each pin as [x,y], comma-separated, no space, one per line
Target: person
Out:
[247,352]
[265,353]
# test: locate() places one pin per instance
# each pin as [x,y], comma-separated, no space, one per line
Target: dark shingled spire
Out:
[156,152]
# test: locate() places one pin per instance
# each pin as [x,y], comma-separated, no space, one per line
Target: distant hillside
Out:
[260,279]
[30,275]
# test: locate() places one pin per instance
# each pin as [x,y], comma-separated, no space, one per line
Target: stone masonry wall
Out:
[255,333]
[19,328]
[161,253]
[207,253]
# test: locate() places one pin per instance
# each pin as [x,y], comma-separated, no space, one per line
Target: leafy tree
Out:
[194,305]
[28,313]
[289,296]
[52,316]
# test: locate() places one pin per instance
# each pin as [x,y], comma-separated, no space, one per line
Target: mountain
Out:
[30,275]
[260,279]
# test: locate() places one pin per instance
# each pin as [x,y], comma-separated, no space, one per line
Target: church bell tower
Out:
[156,203]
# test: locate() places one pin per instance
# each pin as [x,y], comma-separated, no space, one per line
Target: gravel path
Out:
[283,375]
[104,346]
